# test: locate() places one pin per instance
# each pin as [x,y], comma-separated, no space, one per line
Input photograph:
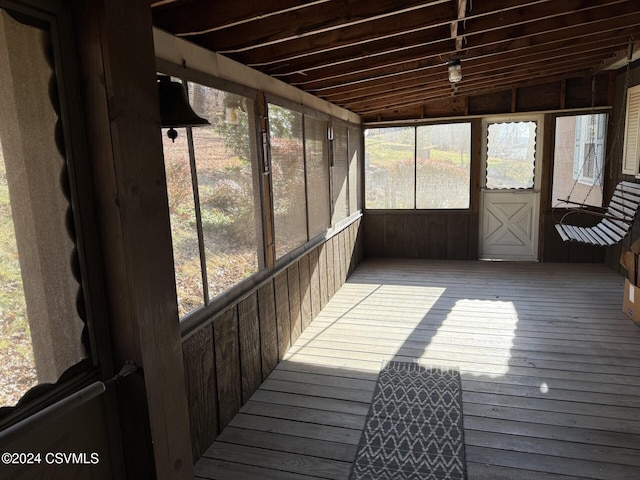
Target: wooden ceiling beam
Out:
[319,20]
[380,54]
[360,19]
[423,91]
[192,17]
[563,26]
[455,26]
[490,42]
[582,36]
[411,46]
[538,53]
[435,95]
[489,7]
[157,3]
[480,89]
[360,39]
[565,13]
[479,78]
[368,38]
[533,72]
[462,93]
[614,62]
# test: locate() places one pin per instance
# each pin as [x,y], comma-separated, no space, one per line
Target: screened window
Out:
[355,142]
[389,168]
[225,155]
[182,211]
[288,178]
[317,168]
[340,171]
[443,165]
[41,330]
[511,148]
[579,158]
[426,167]
[214,198]
[215,185]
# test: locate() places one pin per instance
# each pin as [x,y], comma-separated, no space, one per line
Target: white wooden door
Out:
[510,225]
[510,198]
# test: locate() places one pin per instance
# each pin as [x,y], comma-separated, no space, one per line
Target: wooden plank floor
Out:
[550,369]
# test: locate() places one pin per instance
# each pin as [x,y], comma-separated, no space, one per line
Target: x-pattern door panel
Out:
[510,199]
[509,229]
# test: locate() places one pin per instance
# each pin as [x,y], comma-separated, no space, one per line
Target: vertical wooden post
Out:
[269,235]
[120,101]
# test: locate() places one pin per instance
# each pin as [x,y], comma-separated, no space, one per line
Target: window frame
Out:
[285,104]
[415,126]
[196,317]
[334,225]
[631,154]
[538,120]
[581,145]
[555,198]
[82,220]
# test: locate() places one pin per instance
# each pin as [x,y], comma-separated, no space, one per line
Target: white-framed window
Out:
[579,157]
[588,152]
[630,160]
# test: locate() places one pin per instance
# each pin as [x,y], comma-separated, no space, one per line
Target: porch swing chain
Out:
[619,131]
[590,153]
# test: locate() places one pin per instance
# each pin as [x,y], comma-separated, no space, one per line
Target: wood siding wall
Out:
[615,175]
[229,357]
[454,236]
[451,236]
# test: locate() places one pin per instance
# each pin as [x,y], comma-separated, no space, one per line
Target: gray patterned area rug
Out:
[414,427]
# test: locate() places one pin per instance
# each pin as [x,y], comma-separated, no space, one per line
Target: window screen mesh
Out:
[511,148]
[390,167]
[182,210]
[287,164]
[317,155]
[41,329]
[355,137]
[225,153]
[443,166]
[340,172]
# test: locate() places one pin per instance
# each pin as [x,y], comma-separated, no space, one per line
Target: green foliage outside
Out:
[223,154]
[17,367]
[442,164]
[442,169]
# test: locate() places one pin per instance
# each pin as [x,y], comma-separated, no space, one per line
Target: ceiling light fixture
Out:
[455,71]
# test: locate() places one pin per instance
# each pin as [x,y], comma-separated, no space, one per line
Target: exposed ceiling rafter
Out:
[379,56]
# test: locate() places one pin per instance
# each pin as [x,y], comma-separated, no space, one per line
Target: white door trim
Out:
[509,250]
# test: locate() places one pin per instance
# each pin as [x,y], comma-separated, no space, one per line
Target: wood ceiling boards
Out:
[385,59]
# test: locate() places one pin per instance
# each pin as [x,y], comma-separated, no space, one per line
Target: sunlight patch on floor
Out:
[494,346]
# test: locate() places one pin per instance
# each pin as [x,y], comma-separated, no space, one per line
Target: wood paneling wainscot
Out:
[229,356]
[451,236]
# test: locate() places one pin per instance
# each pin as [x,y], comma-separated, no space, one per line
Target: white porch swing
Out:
[617,218]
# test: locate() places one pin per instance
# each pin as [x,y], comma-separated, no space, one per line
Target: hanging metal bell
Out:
[175,111]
